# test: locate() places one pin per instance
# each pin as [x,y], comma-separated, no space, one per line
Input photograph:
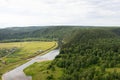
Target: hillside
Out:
[16,32]
[35,33]
[89,54]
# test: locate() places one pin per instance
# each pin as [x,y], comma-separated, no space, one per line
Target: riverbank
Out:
[18,74]
[11,66]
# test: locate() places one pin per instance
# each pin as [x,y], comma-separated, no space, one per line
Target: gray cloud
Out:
[55,12]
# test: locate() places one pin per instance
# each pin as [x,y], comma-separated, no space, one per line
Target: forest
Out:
[89,54]
[38,33]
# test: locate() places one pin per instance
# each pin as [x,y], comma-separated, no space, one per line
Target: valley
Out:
[85,53]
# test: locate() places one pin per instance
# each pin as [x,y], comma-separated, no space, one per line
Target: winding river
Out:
[18,74]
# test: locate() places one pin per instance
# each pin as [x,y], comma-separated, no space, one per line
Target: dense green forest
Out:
[89,54]
[35,33]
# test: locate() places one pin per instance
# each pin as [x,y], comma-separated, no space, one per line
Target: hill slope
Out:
[89,54]
[35,32]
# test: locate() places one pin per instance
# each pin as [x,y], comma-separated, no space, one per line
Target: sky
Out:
[59,12]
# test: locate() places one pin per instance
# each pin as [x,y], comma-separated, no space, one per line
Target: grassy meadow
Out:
[23,51]
[41,71]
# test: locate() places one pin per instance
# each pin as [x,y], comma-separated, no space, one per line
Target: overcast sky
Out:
[59,12]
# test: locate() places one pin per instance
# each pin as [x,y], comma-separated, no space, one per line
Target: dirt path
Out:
[18,74]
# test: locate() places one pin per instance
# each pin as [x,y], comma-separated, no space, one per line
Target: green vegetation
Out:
[87,53]
[16,53]
[90,54]
[37,34]
[41,71]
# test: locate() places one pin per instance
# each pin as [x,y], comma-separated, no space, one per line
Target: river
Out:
[18,74]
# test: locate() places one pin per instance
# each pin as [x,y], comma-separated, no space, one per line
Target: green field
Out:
[43,71]
[23,51]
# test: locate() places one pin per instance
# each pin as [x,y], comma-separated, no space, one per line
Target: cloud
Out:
[55,12]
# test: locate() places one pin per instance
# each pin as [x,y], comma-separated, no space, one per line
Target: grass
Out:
[25,51]
[40,71]
[113,69]
[10,45]
[28,47]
